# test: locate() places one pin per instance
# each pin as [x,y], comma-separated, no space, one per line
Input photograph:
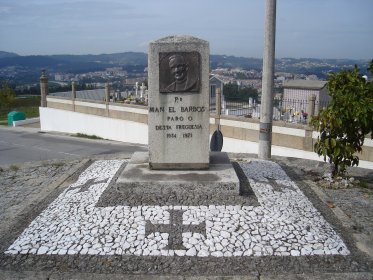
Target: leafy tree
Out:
[346,121]
[7,95]
[232,91]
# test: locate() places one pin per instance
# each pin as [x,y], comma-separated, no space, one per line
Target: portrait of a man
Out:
[179,72]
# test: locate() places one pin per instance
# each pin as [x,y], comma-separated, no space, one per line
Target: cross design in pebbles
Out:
[175,230]
[277,185]
[85,187]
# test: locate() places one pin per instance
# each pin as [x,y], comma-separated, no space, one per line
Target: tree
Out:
[230,90]
[346,121]
[7,95]
[234,92]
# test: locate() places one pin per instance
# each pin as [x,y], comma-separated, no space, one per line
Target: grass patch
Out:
[14,168]
[58,164]
[53,164]
[94,137]
[28,101]
[28,105]
[365,185]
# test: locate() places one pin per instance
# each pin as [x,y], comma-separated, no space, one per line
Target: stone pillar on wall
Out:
[107,93]
[311,107]
[73,91]
[43,88]
[73,94]
[107,98]
[317,107]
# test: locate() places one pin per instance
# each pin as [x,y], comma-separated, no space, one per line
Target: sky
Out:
[304,28]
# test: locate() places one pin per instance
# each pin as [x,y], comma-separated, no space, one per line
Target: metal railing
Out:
[288,110]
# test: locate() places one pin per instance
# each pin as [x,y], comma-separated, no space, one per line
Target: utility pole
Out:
[266,109]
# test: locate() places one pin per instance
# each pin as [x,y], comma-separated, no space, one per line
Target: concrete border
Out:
[26,121]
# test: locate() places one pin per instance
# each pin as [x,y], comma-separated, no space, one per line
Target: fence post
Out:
[43,88]
[311,107]
[73,94]
[218,106]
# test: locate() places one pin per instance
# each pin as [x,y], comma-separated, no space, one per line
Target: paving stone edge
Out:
[32,275]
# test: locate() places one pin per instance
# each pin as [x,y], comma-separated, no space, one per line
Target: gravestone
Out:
[179,114]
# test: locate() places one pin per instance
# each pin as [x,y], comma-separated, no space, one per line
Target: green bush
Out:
[346,121]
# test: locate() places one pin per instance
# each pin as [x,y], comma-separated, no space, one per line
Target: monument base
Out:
[220,178]
[136,184]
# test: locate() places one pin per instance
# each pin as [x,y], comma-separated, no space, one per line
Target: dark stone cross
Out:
[276,186]
[85,187]
[175,229]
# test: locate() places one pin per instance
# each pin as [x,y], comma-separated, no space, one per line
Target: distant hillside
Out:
[21,69]
[126,58]
[7,54]
[224,61]
[75,63]
[78,63]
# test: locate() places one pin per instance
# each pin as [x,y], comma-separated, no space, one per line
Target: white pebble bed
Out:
[285,223]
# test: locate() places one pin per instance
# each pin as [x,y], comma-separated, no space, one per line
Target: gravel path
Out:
[20,183]
[357,204]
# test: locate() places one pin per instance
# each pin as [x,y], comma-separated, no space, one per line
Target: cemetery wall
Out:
[128,123]
[90,124]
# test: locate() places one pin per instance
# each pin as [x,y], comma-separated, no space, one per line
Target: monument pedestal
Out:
[220,178]
[136,184]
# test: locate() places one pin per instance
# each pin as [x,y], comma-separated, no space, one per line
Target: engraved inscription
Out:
[189,126]
[179,72]
[163,127]
[171,135]
[156,110]
[178,120]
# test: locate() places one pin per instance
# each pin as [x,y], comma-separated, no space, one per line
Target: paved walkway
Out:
[52,226]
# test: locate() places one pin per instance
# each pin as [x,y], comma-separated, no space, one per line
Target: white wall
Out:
[134,132]
[232,145]
[107,128]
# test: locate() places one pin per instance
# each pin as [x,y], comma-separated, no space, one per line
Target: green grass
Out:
[58,164]
[28,105]
[29,101]
[82,135]
[14,168]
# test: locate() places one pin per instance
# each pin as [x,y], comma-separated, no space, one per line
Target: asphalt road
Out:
[19,145]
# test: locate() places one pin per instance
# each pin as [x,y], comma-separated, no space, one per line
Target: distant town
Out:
[124,70]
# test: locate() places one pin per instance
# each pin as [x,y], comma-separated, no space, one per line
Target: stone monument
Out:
[179,160]
[179,114]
